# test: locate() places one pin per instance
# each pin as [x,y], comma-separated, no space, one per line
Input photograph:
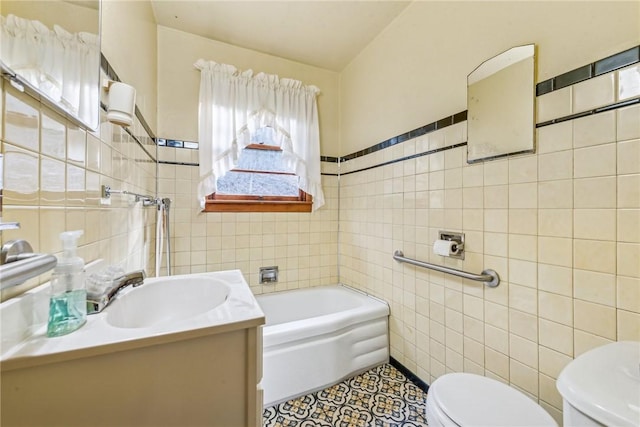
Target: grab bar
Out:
[146,199]
[489,277]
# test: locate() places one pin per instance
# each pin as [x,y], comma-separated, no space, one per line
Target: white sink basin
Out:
[162,310]
[170,299]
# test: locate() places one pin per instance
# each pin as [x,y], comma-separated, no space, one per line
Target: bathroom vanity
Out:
[139,362]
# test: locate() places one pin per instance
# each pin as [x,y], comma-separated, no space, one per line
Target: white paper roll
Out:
[443,247]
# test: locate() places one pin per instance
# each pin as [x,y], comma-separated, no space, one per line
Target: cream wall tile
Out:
[595,224]
[548,391]
[628,326]
[594,255]
[496,197]
[629,83]
[496,244]
[93,152]
[629,191]
[556,137]
[523,169]
[523,221]
[555,251]
[523,324]
[595,192]
[557,194]
[628,123]
[629,156]
[496,338]
[523,196]
[29,219]
[597,319]
[584,341]
[523,247]
[21,176]
[594,287]
[496,315]
[75,195]
[52,135]
[555,165]
[21,120]
[628,259]
[556,279]
[555,222]
[524,377]
[594,130]
[523,273]
[497,363]
[52,182]
[594,93]
[523,298]
[555,307]
[628,293]
[473,175]
[496,172]
[52,223]
[523,351]
[473,328]
[554,105]
[496,220]
[552,362]
[76,145]
[599,160]
[556,336]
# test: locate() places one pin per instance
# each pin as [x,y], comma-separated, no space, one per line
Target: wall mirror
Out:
[51,50]
[501,105]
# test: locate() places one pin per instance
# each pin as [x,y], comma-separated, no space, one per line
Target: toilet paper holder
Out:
[457,250]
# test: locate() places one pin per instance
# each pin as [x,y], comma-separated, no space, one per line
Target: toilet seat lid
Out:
[472,400]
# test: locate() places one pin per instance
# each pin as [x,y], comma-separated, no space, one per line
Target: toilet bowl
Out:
[461,399]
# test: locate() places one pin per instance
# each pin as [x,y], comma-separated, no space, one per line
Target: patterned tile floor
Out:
[382,396]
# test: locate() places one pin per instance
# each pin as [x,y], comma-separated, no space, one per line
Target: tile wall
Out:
[302,245]
[52,175]
[561,227]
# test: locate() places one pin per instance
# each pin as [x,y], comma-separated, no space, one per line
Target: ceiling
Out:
[326,34]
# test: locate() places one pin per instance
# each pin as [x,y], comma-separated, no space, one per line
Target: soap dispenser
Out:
[68,303]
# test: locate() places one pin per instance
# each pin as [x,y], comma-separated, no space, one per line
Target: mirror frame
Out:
[22,85]
[495,115]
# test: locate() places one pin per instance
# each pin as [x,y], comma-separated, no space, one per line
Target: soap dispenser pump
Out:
[68,303]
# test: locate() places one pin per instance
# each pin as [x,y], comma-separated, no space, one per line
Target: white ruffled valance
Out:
[235,103]
[62,65]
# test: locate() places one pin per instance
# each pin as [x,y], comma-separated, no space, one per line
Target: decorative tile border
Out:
[422,130]
[176,143]
[589,71]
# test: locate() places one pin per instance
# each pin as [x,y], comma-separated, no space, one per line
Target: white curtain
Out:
[61,64]
[234,103]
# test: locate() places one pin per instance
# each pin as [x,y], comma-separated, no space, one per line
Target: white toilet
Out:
[461,399]
[602,387]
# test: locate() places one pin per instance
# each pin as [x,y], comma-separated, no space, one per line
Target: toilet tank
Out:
[602,387]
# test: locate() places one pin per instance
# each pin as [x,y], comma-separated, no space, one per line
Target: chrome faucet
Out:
[98,301]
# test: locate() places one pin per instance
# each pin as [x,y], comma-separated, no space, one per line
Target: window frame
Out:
[249,203]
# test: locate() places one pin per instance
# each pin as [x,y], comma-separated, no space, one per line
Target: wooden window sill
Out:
[257,206]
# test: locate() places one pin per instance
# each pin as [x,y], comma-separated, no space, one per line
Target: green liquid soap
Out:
[67,312]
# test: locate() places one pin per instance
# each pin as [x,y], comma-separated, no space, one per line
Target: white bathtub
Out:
[319,336]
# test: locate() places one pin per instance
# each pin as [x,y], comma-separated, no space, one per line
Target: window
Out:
[238,109]
[261,181]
